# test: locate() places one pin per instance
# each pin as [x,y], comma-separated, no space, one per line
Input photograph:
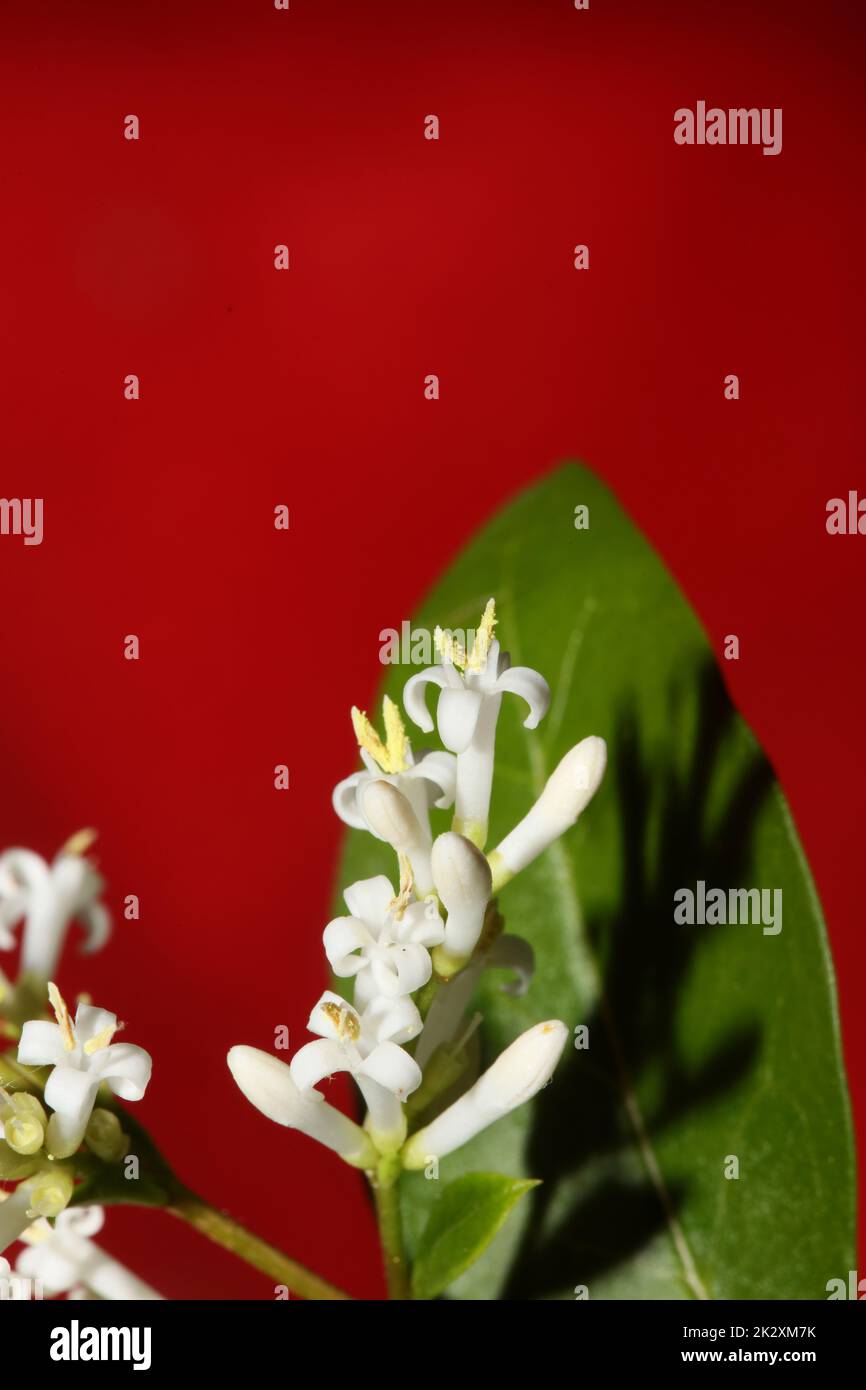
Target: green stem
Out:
[231,1236]
[387,1192]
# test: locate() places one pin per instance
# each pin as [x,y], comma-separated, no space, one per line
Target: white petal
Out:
[41,1044]
[24,867]
[439,769]
[420,924]
[401,969]
[531,687]
[344,939]
[391,1020]
[81,1221]
[97,920]
[125,1067]
[90,1022]
[369,899]
[345,800]
[414,699]
[71,1094]
[57,1268]
[457,717]
[393,1068]
[316,1060]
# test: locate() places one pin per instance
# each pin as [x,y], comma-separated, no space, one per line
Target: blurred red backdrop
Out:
[259,127]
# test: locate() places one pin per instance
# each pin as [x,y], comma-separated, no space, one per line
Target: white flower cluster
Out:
[401,945]
[38,1148]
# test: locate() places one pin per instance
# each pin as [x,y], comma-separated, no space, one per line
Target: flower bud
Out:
[390,816]
[514,1078]
[24,1122]
[104,1136]
[268,1085]
[463,881]
[51,1189]
[570,787]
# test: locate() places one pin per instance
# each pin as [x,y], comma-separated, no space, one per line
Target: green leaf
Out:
[465,1218]
[704,1041]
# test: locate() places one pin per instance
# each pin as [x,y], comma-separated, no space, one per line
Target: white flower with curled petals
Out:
[426,780]
[48,898]
[515,1077]
[384,944]
[65,1260]
[82,1056]
[471,688]
[368,1047]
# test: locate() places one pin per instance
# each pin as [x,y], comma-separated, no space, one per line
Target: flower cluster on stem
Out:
[414,948]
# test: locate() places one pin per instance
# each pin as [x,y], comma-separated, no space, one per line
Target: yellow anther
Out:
[80,842]
[391,756]
[95,1044]
[61,1013]
[399,904]
[344,1020]
[395,736]
[455,653]
[449,648]
[483,638]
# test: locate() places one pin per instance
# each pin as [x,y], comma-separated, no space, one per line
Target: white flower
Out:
[391,818]
[514,1078]
[367,1046]
[267,1084]
[48,897]
[66,1260]
[463,881]
[570,787]
[425,781]
[472,685]
[385,943]
[82,1056]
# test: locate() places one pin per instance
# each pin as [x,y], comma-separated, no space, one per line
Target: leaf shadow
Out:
[598,1205]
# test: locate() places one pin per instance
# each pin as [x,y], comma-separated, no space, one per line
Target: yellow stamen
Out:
[399,904]
[95,1044]
[483,638]
[454,652]
[391,756]
[61,1013]
[449,648]
[343,1019]
[80,842]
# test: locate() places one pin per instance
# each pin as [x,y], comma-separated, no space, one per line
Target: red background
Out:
[259,127]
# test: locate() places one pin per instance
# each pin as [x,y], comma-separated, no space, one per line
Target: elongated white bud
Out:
[570,787]
[268,1085]
[515,1077]
[391,817]
[463,881]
